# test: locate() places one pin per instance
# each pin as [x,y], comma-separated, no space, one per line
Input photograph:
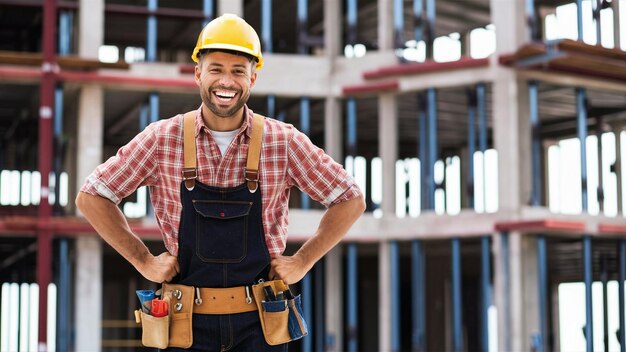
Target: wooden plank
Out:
[574,46]
[65,62]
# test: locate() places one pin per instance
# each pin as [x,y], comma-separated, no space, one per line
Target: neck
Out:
[222,124]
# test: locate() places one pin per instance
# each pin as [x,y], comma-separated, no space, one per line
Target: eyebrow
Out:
[220,65]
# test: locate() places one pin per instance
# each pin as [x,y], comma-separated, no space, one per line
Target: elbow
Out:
[361,206]
[81,202]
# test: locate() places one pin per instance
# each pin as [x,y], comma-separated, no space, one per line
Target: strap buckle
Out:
[189,177]
[252,176]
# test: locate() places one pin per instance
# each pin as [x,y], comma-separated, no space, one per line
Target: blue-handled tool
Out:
[145,296]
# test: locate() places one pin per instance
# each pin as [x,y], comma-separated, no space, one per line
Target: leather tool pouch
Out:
[174,330]
[281,320]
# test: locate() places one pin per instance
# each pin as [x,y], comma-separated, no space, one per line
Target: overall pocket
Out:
[275,315]
[221,230]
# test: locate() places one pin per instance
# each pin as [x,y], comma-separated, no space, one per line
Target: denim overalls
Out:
[222,244]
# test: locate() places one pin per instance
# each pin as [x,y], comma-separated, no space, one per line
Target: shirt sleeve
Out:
[317,174]
[134,165]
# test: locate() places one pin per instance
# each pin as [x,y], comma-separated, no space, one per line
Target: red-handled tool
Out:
[159,308]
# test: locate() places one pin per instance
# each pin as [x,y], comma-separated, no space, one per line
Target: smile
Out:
[224,95]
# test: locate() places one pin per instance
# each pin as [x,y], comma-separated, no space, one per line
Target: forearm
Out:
[109,222]
[335,223]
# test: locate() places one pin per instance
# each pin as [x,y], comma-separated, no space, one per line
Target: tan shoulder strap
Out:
[254,153]
[190,171]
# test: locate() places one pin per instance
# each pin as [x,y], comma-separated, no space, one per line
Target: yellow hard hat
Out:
[229,32]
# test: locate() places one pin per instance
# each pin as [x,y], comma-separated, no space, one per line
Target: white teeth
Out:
[224,94]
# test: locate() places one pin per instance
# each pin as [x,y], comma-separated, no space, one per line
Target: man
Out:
[220,226]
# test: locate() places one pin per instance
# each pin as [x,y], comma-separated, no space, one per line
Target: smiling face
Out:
[225,81]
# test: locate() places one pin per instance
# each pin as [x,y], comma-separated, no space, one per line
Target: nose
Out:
[226,80]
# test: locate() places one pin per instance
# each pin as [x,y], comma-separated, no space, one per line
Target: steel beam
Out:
[471,147]
[588,276]
[398,23]
[208,10]
[485,279]
[432,145]
[418,289]
[303,17]
[352,299]
[266,25]
[457,303]
[579,19]
[307,304]
[418,15]
[423,151]
[271,106]
[581,112]
[151,44]
[620,294]
[320,335]
[542,263]
[395,296]
[352,15]
[351,132]
[533,101]
[65,288]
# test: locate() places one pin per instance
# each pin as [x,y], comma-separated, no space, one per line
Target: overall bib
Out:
[222,244]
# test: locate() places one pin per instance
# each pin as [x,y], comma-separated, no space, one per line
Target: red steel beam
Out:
[370,88]
[551,225]
[425,67]
[46,108]
[612,229]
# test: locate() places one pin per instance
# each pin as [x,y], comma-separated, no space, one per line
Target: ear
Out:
[197,74]
[252,80]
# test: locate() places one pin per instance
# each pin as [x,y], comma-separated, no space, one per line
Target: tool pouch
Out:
[281,320]
[181,301]
[173,330]
[154,330]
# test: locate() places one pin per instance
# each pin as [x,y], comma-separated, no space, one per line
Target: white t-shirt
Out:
[223,139]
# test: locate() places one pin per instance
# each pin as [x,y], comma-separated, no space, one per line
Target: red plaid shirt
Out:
[154,158]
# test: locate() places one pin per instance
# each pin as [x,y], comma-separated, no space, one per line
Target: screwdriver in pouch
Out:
[269,293]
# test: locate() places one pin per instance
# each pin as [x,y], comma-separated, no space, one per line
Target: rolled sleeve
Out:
[317,174]
[134,165]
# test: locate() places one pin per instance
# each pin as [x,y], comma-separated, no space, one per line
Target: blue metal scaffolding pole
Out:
[431,15]
[352,20]
[535,198]
[418,266]
[63,343]
[457,304]
[303,17]
[305,127]
[485,279]
[471,148]
[351,131]
[266,25]
[418,13]
[581,112]
[432,145]
[271,106]
[542,266]
[398,23]
[588,272]
[353,299]
[65,32]
[481,107]
[423,151]
[208,10]
[395,295]
[151,45]
[620,290]
[506,283]
[579,19]
[307,304]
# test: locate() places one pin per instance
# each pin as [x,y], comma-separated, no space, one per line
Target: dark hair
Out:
[227,51]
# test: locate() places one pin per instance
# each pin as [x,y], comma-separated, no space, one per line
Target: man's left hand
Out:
[290,269]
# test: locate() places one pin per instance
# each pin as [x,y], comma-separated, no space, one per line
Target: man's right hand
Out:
[159,269]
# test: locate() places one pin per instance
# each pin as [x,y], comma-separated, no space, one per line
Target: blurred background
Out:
[488,226]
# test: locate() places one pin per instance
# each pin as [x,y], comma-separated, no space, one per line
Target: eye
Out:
[240,72]
[215,70]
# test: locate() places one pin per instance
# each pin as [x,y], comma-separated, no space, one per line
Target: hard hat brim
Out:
[232,47]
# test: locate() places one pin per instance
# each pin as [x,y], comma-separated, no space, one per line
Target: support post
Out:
[579,19]
[423,150]
[588,277]
[305,127]
[307,303]
[208,10]
[398,23]
[535,198]
[542,263]
[620,294]
[266,25]
[457,305]
[485,279]
[481,108]
[353,299]
[319,321]
[395,296]
[418,291]
[581,118]
[433,153]
[471,146]
[151,44]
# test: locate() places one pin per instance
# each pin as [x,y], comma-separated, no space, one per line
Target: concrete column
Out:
[89,249]
[88,318]
[334,299]
[332,28]
[90,28]
[524,291]
[333,131]
[616,22]
[385,25]
[230,6]
[510,109]
[388,149]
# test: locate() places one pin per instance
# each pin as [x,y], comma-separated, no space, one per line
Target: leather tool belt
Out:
[281,319]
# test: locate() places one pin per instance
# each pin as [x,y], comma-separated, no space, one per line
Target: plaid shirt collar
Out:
[247,122]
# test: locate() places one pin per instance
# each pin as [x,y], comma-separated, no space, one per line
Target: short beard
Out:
[215,109]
